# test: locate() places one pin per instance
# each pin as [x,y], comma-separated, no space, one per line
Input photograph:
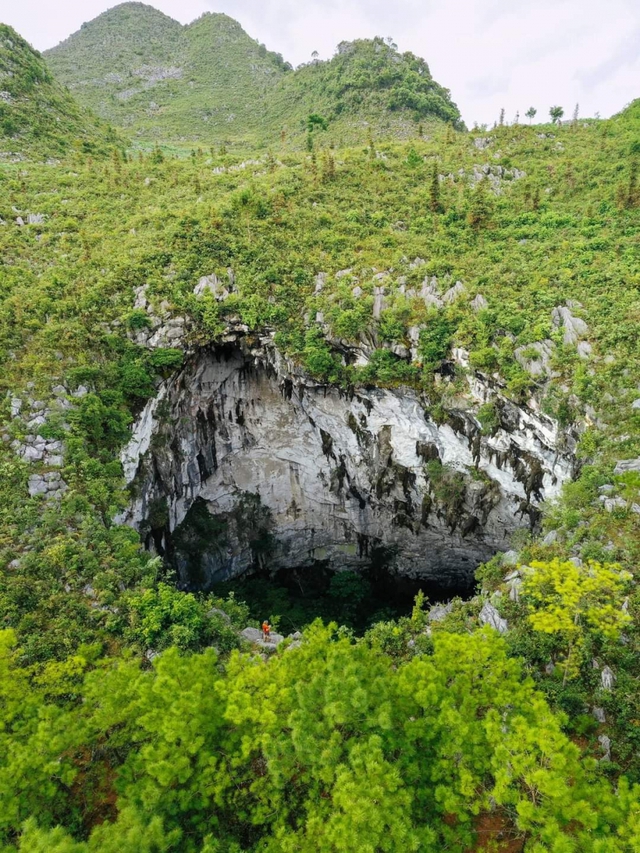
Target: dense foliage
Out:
[37,114]
[328,747]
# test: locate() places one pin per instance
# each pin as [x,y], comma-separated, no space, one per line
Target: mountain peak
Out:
[210,82]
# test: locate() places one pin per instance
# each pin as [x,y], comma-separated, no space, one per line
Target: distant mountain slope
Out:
[368,85]
[148,73]
[209,82]
[38,116]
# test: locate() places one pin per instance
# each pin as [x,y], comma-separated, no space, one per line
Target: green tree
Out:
[531,113]
[556,114]
[572,601]
[480,207]
[434,190]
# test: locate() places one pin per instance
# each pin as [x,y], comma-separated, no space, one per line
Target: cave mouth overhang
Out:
[243,462]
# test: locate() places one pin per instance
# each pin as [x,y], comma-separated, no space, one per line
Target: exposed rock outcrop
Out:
[242,459]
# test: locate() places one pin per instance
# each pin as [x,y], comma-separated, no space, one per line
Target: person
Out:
[266,630]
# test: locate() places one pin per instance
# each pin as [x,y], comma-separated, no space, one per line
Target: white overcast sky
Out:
[489,53]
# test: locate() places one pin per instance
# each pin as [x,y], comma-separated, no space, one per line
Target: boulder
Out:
[607,678]
[479,303]
[584,349]
[490,616]
[536,365]
[574,327]
[439,612]
[254,635]
[37,485]
[613,503]
[379,303]
[626,465]
[605,743]
[212,284]
[251,634]
[216,611]
[509,558]
[515,585]
[453,293]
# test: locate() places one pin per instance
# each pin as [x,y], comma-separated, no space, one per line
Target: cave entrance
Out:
[357,600]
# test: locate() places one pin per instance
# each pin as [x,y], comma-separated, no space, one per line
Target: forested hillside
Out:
[37,115]
[141,713]
[210,83]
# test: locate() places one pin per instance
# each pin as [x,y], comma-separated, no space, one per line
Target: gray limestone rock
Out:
[439,612]
[605,743]
[401,351]
[613,503]
[453,293]
[429,293]
[16,406]
[584,349]
[213,285]
[599,714]
[535,358]
[515,585]
[37,485]
[254,636]
[379,302]
[490,616]
[251,634]
[216,611]
[479,303]
[574,327]
[626,465]
[336,475]
[607,678]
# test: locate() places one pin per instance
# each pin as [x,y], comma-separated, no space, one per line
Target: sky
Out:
[491,54]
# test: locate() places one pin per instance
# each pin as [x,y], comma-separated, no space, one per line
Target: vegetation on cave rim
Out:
[415,735]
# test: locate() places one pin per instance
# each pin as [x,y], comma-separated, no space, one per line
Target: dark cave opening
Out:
[355,599]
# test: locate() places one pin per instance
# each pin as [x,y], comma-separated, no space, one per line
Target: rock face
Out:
[241,459]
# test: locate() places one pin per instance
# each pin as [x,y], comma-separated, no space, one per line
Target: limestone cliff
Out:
[241,458]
